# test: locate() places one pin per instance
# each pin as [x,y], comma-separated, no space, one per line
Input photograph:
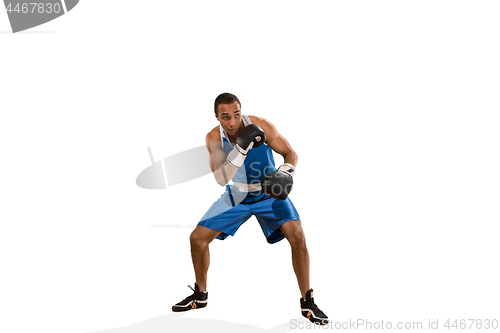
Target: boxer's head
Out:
[225,98]
[228,112]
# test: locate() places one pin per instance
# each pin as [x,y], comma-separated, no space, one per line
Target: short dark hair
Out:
[225,98]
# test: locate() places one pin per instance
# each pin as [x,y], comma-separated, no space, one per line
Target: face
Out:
[229,116]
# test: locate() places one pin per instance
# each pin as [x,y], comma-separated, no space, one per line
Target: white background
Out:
[392,107]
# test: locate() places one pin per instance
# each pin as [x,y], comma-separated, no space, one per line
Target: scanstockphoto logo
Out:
[25,15]
[183,167]
[193,163]
[175,169]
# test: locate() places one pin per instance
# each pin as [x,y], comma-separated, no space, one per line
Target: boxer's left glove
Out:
[278,184]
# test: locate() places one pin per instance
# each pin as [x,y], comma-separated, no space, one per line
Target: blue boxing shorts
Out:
[234,208]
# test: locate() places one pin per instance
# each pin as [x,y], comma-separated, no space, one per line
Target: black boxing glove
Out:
[279,184]
[249,137]
[251,133]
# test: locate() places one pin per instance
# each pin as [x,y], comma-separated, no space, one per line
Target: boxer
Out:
[240,150]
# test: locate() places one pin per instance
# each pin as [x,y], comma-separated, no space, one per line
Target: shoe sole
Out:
[189,306]
[310,315]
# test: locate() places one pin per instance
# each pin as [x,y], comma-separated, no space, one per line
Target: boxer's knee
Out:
[294,234]
[196,239]
[202,236]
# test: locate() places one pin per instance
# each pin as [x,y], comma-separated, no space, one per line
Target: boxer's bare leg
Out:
[200,238]
[300,256]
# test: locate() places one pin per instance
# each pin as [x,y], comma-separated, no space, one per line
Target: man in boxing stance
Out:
[240,149]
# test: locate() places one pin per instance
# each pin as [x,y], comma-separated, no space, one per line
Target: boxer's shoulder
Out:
[212,139]
[214,135]
[257,120]
[265,124]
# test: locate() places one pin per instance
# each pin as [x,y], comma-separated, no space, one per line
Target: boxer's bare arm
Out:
[222,171]
[276,141]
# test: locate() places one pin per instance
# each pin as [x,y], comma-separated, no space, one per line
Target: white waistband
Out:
[247,187]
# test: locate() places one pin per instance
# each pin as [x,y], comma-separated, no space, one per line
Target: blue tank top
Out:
[258,163]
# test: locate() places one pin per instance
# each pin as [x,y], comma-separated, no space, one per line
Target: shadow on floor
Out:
[177,323]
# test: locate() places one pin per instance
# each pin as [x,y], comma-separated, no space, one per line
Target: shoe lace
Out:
[315,308]
[191,297]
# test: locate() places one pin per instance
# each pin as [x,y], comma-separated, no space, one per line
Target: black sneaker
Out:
[311,311]
[195,301]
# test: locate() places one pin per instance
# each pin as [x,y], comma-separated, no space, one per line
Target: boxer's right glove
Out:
[251,136]
[279,183]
